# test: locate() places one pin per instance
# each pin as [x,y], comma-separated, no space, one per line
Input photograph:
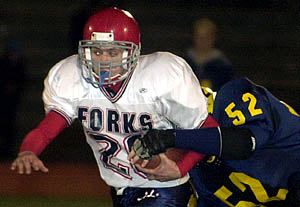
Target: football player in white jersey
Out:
[117,94]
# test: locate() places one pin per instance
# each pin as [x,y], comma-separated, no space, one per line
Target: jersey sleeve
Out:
[181,98]
[240,103]
[60,89]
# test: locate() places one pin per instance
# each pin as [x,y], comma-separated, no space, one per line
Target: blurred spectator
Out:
[11,86]
[209,64]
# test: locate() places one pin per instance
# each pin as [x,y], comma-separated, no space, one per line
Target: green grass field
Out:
[52,202]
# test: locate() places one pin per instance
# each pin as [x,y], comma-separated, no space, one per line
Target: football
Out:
[171,153]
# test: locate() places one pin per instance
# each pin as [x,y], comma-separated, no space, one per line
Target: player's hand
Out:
[26,162]
[152,143]
[134,158]
[165,171]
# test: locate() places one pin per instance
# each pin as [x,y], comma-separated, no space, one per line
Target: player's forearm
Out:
[188,161]
[37,139]
[191,158]
[227,143]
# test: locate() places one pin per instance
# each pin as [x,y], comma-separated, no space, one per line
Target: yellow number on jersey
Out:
[238,115]
[249,97]
[240,180]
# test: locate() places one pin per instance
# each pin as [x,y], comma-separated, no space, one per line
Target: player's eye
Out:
[97,52]
[113,52]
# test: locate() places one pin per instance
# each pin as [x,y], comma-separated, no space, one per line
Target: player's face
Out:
[107,62]
[106,57]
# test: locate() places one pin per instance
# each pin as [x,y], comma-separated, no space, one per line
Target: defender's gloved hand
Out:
[154,142]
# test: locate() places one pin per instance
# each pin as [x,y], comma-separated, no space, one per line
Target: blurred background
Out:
[260,38]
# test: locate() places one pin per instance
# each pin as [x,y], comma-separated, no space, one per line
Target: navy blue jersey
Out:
[263,178]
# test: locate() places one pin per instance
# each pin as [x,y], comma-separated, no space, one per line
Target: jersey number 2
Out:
[109,154]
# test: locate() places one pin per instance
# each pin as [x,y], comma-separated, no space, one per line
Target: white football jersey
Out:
[161,93]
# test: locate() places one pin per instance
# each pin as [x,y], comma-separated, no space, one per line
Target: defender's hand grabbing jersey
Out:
[162,93]
[263,178]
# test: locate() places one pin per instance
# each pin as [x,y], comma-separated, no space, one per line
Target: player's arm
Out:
[36,141]
[186,160]
[226,143]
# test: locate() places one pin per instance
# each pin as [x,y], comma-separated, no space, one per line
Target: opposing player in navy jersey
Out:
[268,176]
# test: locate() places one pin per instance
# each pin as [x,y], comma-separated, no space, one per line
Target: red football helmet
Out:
[109,28]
